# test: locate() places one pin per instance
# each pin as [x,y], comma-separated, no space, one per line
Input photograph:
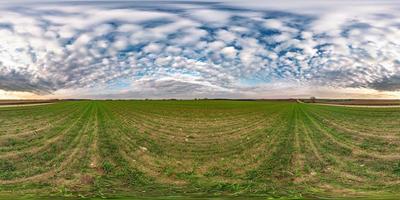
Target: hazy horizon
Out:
[200,49]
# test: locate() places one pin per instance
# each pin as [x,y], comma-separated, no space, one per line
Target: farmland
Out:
[357,102]
[199,148]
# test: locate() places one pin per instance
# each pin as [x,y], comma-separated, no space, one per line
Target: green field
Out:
[198,149]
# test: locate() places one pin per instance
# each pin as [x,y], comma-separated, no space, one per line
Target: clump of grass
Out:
[7,169]
[397,169]
[107,167]
[215,171]
[7,166]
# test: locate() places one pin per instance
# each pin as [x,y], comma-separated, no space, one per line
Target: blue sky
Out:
[196,49]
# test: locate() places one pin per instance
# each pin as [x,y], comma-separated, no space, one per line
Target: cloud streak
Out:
[189,49]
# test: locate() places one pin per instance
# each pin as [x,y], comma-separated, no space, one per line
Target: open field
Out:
[357,102]
[199,148]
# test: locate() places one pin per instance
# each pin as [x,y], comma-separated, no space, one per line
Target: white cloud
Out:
[216,46]
[226,36]
[210,15]
[229,52]
[273,24]
[152,48]
[202,48]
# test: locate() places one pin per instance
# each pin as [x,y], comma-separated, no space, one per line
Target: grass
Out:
[198,149]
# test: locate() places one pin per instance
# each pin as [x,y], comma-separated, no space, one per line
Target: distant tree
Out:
[313,99]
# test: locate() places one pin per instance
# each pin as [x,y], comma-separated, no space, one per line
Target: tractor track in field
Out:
[43,146]
[28,123]
[35,132]
[354,149]
[94,154]
[343,126]
[54,171]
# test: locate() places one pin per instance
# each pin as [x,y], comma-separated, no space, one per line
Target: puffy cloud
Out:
[226,36]
[152,48]
[197,49]
[229,52]
[210,15]
[273,24]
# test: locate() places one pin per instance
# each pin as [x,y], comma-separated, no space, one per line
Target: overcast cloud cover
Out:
[188,49]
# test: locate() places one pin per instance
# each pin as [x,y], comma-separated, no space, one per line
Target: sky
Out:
[200,49]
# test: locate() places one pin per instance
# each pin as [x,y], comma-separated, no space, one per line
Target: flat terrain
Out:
[357,102]
[24,102]
[199,148]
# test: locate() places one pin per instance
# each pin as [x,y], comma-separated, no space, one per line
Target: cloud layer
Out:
[181,49]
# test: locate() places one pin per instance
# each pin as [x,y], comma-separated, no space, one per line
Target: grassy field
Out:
[198,149]
[356,102]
